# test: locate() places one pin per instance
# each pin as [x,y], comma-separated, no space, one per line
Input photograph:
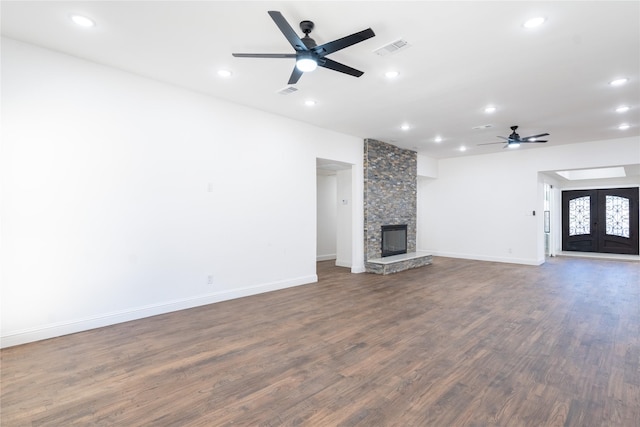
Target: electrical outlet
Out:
[210,279]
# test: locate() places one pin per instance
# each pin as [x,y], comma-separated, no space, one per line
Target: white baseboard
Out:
[64,328]
[343,263]
[358,269]
[477,257]
[328,257]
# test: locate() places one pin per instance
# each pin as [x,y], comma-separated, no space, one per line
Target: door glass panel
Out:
[580,216]
[617,220]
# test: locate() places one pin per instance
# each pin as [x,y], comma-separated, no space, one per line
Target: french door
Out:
[600,221]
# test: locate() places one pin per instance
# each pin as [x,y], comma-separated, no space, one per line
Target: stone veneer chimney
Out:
[390,193]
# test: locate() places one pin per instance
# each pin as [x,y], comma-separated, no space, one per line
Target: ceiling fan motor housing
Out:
[306,26]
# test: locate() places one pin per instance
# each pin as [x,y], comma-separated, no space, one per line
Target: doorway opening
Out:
[334,220]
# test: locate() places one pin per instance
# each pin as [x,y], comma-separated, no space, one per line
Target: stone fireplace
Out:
[390,200]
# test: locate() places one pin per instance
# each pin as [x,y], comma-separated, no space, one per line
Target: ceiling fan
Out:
[514,139]
[308,54]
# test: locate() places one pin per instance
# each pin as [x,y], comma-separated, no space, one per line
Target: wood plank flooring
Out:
[456,343]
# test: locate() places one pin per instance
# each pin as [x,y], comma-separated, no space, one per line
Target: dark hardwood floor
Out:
[456,343]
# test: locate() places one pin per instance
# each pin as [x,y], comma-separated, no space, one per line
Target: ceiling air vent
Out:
[392,47]
[482,127]
[287,90]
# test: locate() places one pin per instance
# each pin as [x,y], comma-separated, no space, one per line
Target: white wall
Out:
[344,231]
[480,207]
[122,195]
[326,221]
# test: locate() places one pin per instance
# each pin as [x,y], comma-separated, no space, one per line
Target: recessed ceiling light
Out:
[438,139]
[624,126]
[405,126]
[309,102]
[224,73]
[391,74]
[490,109]
[618,82]
[534,22]
[622,109]
[463,148]
[82,21]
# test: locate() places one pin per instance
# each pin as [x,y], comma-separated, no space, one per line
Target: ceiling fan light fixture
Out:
[306,64]
[513,145]
[534,22]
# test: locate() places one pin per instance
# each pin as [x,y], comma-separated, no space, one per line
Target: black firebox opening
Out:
[394,239]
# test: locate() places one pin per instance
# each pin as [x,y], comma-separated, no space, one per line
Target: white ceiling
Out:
[463,57]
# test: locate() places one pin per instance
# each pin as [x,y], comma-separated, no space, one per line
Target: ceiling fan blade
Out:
[336,45]
[336,66]
[295,76]
[503,137]
[491,143]
[264,55]
[531,142]
[535,136]
[288,32]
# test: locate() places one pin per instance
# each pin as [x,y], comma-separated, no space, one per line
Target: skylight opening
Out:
[600,173]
